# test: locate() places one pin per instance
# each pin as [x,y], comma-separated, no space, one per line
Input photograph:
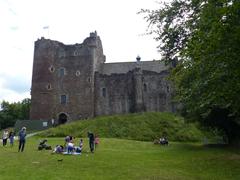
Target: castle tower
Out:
[63,79]
[138,87]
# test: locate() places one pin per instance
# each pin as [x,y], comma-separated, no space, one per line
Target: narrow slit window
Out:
[104,92]
[49,87]
[89,79]
[168,89]
[145,87]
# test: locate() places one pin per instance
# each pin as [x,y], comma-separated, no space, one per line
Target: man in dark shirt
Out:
[22,139]
[91,141]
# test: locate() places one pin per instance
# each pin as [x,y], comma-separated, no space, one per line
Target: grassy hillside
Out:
[141,126]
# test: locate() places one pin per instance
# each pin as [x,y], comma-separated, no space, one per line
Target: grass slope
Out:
[121,159]
[141,126]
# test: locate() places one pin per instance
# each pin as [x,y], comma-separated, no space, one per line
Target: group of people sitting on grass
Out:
[161,141]
[69,147]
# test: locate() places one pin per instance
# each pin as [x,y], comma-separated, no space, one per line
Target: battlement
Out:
[124,67]
[91,46]
[93,34]
[92,40]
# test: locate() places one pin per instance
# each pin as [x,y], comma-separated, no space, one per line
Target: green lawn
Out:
[121,159]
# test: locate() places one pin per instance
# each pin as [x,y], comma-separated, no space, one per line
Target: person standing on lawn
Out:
[11,138]
[22,139]
[91,141]
[5,137]
[96,141]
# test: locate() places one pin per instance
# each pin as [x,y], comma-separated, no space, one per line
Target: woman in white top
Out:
[5,137]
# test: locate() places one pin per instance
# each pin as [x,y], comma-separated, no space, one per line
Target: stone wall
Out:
[157,91]
[134,91]
[114,94]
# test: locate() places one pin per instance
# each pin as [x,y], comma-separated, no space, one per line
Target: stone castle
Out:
[72,82]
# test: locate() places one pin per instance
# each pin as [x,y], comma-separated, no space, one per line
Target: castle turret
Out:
[42,79]
[138,87]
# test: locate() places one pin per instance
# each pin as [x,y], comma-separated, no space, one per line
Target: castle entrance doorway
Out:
[62,118]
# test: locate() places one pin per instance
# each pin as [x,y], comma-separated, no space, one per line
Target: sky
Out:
[117,23]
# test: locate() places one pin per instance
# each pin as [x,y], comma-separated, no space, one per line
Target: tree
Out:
[11,112]
[204,36]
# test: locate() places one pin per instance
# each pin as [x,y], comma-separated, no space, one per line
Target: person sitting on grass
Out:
[77,149]
[163,141]
[43,145]
[81,143]
[58,149]
[70,148]
[67,140]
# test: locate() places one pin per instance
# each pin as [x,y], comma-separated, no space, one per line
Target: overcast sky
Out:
[117,23]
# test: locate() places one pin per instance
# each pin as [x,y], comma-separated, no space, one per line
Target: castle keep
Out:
[71,82]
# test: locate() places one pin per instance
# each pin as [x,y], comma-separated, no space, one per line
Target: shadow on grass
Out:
[217,145]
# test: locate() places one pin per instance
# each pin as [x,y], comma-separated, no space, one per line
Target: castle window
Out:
[61,72]
[61,54]
[51,69]
[104,92]
[168,89]
[145,87]
[78,73]
[63,99]
[49,87]
[75,53]
[89,79]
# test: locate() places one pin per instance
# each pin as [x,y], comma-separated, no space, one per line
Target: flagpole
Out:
[46,28]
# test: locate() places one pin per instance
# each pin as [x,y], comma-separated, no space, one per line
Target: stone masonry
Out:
[72,82]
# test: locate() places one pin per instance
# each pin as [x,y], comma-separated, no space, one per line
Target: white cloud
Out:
[11,93]
[70,22]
